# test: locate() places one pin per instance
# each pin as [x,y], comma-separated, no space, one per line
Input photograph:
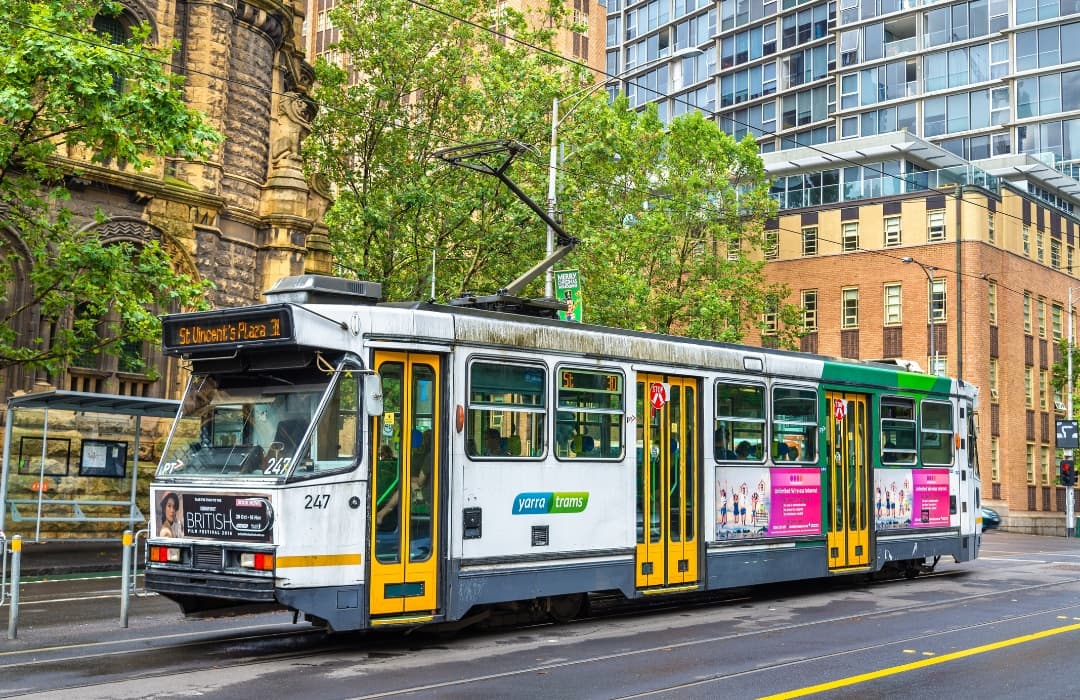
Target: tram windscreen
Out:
[253,425]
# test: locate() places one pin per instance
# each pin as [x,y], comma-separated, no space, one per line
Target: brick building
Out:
[876,234]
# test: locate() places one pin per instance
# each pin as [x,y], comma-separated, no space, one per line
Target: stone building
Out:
[243,217]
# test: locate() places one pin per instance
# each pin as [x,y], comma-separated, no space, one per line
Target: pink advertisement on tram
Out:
[761,502]
[909,498]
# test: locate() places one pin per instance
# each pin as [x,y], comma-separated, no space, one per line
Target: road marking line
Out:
[904,668]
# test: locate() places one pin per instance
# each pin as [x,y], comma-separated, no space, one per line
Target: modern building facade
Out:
[944,133]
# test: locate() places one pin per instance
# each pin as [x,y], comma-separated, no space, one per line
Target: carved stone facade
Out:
[243,217]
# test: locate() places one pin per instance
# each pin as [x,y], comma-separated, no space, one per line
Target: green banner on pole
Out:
[568,290]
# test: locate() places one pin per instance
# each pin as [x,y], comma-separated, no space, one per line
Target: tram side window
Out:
[589,424]
[795,425]
[897,430]
[739,427]
[335,441]
[506,410]
[937,433]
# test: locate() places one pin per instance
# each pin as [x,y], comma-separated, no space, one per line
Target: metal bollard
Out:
[124,575]
[16,564]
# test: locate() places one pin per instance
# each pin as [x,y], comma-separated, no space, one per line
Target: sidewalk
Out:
[58,557]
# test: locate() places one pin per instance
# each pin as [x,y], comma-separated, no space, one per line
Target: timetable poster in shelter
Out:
[568,291]
[905,498]
[762,502]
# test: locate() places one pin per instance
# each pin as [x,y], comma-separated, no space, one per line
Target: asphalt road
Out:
[1005,625]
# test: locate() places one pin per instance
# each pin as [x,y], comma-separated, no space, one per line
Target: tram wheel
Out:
[564,608]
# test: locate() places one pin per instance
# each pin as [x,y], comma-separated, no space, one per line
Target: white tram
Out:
[375,464]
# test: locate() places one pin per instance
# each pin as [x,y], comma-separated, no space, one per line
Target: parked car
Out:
[990,519]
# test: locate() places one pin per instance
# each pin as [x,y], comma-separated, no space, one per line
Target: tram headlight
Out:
[166,555]
[257,560]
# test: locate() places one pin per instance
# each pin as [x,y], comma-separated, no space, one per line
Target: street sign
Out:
[1066,434]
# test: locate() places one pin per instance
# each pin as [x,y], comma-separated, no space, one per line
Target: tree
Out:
[69,96]
[658,208]
[671,219]
[1060,370]
[428,80]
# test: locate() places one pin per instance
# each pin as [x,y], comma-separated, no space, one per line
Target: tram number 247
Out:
[316,501]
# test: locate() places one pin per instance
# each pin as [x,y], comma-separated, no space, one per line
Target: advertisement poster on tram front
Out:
[762,502]
[911,498]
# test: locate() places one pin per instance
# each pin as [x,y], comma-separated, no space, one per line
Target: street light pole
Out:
[929,270]
[553,167]
[1070,495]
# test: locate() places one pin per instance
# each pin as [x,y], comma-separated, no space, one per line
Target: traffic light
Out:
[1068,473]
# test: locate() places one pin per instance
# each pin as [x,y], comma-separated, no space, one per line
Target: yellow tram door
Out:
[405,483]
[667,483]
[849,494]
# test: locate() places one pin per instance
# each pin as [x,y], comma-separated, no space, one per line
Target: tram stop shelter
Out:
[71,463]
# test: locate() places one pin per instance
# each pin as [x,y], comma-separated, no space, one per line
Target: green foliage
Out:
[67,93]
[1060,370]
[655,207]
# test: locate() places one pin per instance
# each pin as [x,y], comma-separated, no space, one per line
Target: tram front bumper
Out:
[192,585]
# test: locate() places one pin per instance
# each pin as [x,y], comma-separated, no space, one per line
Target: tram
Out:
[369,464]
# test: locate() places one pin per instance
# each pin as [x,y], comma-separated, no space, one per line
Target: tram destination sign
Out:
[266,324]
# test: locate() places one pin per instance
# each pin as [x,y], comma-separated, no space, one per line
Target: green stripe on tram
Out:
[884,377]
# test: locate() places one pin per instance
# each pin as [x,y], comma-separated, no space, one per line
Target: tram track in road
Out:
[255,647]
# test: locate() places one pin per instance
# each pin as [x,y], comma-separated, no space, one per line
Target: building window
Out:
[1057,312]
[809,310]
[892,231]
[1029,455]
[1047,478]
[1044,394]
[993,379]
[935,225]
[769,319]
[851,237]
[995,461]
[939,364]
[993,307]
[1055,254]
[893,305]
[937,300]
[772,245]
[990,226]
[849,308]
[1041,308]
[809,241]
[1025,238]
[1029,387]
[1027,312]
[1039,246]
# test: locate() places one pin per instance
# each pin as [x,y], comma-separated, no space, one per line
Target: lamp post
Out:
[553,161]
[929,270]
[1070,495]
